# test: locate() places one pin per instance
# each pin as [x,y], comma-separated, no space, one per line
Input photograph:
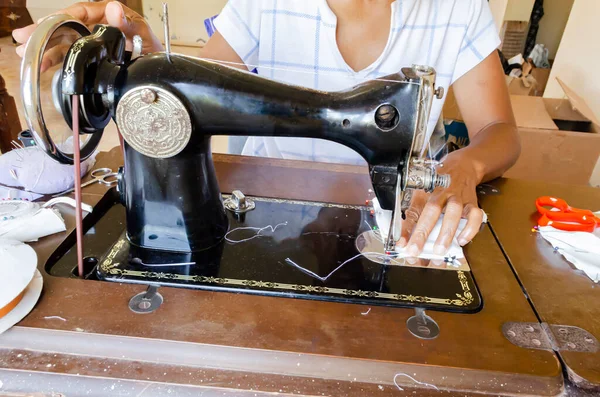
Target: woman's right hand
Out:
[108,12]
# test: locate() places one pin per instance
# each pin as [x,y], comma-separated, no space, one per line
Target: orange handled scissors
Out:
[561,215]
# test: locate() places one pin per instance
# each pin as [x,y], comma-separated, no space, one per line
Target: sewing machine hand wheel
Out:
[93,117]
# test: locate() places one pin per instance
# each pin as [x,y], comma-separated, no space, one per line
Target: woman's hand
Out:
[457,201]
[112,13]
[484,103]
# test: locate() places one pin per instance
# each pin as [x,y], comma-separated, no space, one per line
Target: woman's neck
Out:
[363,29]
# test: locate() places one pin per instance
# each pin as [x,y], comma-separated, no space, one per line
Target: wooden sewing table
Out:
[82,338]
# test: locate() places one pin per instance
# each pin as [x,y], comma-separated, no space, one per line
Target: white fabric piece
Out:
[29,221]
[25,222]
[582,249]
[383,219]
[29,228]
[516,60]
[295,42]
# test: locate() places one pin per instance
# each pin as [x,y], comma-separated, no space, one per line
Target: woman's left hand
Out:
[457,201]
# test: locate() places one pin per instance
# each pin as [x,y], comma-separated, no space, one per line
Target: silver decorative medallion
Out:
[154,122]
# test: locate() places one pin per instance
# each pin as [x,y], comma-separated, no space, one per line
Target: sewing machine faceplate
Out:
[315,236]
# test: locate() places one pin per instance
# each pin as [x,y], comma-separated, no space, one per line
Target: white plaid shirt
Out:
[294,41]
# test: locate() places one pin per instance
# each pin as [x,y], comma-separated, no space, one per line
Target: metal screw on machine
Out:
[148,96]
[386,117]
[138,44]
[422,326]
[439,92]
[239,203]
[423,176]
[146,302]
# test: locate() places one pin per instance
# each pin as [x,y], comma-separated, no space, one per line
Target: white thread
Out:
[431,158]
[54,318]
[39,177]
[367,312]
[247,65]
[258,230]
[315,275]
[414,380]
[151,265]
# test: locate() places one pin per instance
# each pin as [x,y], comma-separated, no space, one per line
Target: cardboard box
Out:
[537,82]
[541,76]
[517,87]
[560,138]
[556,156]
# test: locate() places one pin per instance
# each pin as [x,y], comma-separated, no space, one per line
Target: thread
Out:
[251,66]
[414,380]
[258,230]
[379,256]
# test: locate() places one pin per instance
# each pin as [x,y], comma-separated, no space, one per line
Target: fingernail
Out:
[463,242]
[413,250]
[437,262]
[412,261]
[124,17]
[402,242]
[439,250]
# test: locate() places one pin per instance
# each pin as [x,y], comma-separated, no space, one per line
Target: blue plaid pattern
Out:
[209,24]
[295,42]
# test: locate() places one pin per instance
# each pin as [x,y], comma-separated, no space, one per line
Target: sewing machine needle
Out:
[390,245]
[167,30]
[396,225]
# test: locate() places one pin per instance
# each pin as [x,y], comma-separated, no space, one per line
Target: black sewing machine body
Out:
[168,106]
[225,101]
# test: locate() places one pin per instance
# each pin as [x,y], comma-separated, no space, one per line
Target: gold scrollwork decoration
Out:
[462,299]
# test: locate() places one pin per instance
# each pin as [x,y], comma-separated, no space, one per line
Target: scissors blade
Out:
[88,183]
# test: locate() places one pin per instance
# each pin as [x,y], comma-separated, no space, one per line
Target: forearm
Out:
[494,150]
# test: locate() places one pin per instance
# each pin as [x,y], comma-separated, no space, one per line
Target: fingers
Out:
[89,13]
[412,217]
[131,24]
[22,35]
[63,36]
[103,12]
[117,16]
[429,217]
[21,50]
[452,216]
[474,217]
[417,262]
[54,56]
[439,263]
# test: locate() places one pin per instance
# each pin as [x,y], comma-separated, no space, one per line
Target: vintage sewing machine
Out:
[166,225]
[178,229]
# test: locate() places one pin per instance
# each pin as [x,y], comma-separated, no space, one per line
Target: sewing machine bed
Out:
[282,248]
